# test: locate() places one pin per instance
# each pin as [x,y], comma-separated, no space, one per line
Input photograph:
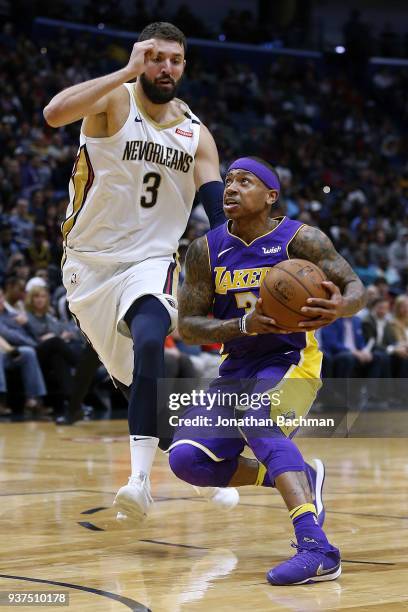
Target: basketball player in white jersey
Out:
[142,157]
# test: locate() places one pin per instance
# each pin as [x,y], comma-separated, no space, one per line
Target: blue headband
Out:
[268,177]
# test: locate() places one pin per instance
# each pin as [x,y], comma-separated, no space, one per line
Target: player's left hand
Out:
[323,312]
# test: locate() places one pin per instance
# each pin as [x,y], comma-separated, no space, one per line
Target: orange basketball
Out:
[286,288]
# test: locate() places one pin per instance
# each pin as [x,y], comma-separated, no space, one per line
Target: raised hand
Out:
[137,60]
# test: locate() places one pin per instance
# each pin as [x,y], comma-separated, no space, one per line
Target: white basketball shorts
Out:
[99,296]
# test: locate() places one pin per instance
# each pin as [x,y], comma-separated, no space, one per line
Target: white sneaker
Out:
[134,501]
[222,498]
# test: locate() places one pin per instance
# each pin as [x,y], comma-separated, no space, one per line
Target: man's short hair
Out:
[164,31]
[379,300]
[12,280]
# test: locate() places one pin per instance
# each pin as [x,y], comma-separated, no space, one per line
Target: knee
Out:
[149,357]
[345,357]
[149,344]
[280,454]
[191,465]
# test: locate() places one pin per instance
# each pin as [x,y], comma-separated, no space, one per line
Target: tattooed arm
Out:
[196,298]
[347,293]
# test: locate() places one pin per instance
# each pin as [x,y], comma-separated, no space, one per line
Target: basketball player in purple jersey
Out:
[224,270]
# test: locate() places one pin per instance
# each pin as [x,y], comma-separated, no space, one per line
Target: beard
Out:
[155,93]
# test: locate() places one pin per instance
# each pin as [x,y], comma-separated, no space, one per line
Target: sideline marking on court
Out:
[368,562]
[173,544]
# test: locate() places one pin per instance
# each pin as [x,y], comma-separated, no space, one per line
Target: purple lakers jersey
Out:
[238,270]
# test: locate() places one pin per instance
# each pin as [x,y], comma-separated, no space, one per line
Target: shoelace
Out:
[300,548]
[306,561]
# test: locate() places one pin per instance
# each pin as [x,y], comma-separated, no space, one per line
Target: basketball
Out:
[286,288]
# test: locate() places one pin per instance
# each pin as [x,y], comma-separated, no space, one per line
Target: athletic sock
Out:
[307,529]
[142,453]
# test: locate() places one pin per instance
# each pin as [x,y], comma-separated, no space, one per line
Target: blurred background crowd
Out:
[335,128]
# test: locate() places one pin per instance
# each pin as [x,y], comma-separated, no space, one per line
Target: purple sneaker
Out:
[310,564]
[315,476]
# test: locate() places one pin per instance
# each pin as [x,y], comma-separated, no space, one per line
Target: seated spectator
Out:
[38,253]
[89,370]
[18,350]
[8,246]
[377,327]
[22,224]
[57,346]
[366,219]
[17,266]
[14,291]
[372,293]
[398,254]
[366,271]
[343,343]
[390,274]
[400,321]
[5,350]
[35,281]
[398,345]
[383,287]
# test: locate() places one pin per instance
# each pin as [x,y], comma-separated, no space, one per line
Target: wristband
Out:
[242,326]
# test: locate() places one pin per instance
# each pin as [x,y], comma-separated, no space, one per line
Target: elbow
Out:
[184,333]
[52,116]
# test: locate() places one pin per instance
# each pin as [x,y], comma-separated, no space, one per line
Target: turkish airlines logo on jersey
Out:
[184,133]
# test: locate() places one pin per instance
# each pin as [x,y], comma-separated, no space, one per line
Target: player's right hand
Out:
[140,53]
[257,322]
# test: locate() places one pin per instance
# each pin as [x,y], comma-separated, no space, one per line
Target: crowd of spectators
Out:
[340,149]
[300,25]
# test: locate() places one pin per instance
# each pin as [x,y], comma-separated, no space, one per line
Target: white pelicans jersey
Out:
[131,193]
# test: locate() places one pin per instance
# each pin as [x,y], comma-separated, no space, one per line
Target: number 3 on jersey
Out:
[151,183]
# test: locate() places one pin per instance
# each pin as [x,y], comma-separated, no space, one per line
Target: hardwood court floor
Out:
[56,526]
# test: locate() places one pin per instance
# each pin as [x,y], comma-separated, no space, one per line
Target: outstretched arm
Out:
[346,289]
[196,298]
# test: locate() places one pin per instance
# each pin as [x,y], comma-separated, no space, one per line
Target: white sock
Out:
[142,452]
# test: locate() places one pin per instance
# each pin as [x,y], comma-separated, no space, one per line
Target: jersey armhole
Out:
[116,134]
[287,246]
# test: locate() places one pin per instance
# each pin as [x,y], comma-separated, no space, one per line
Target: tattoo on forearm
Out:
[196,299]
[200,330]
[312,244]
